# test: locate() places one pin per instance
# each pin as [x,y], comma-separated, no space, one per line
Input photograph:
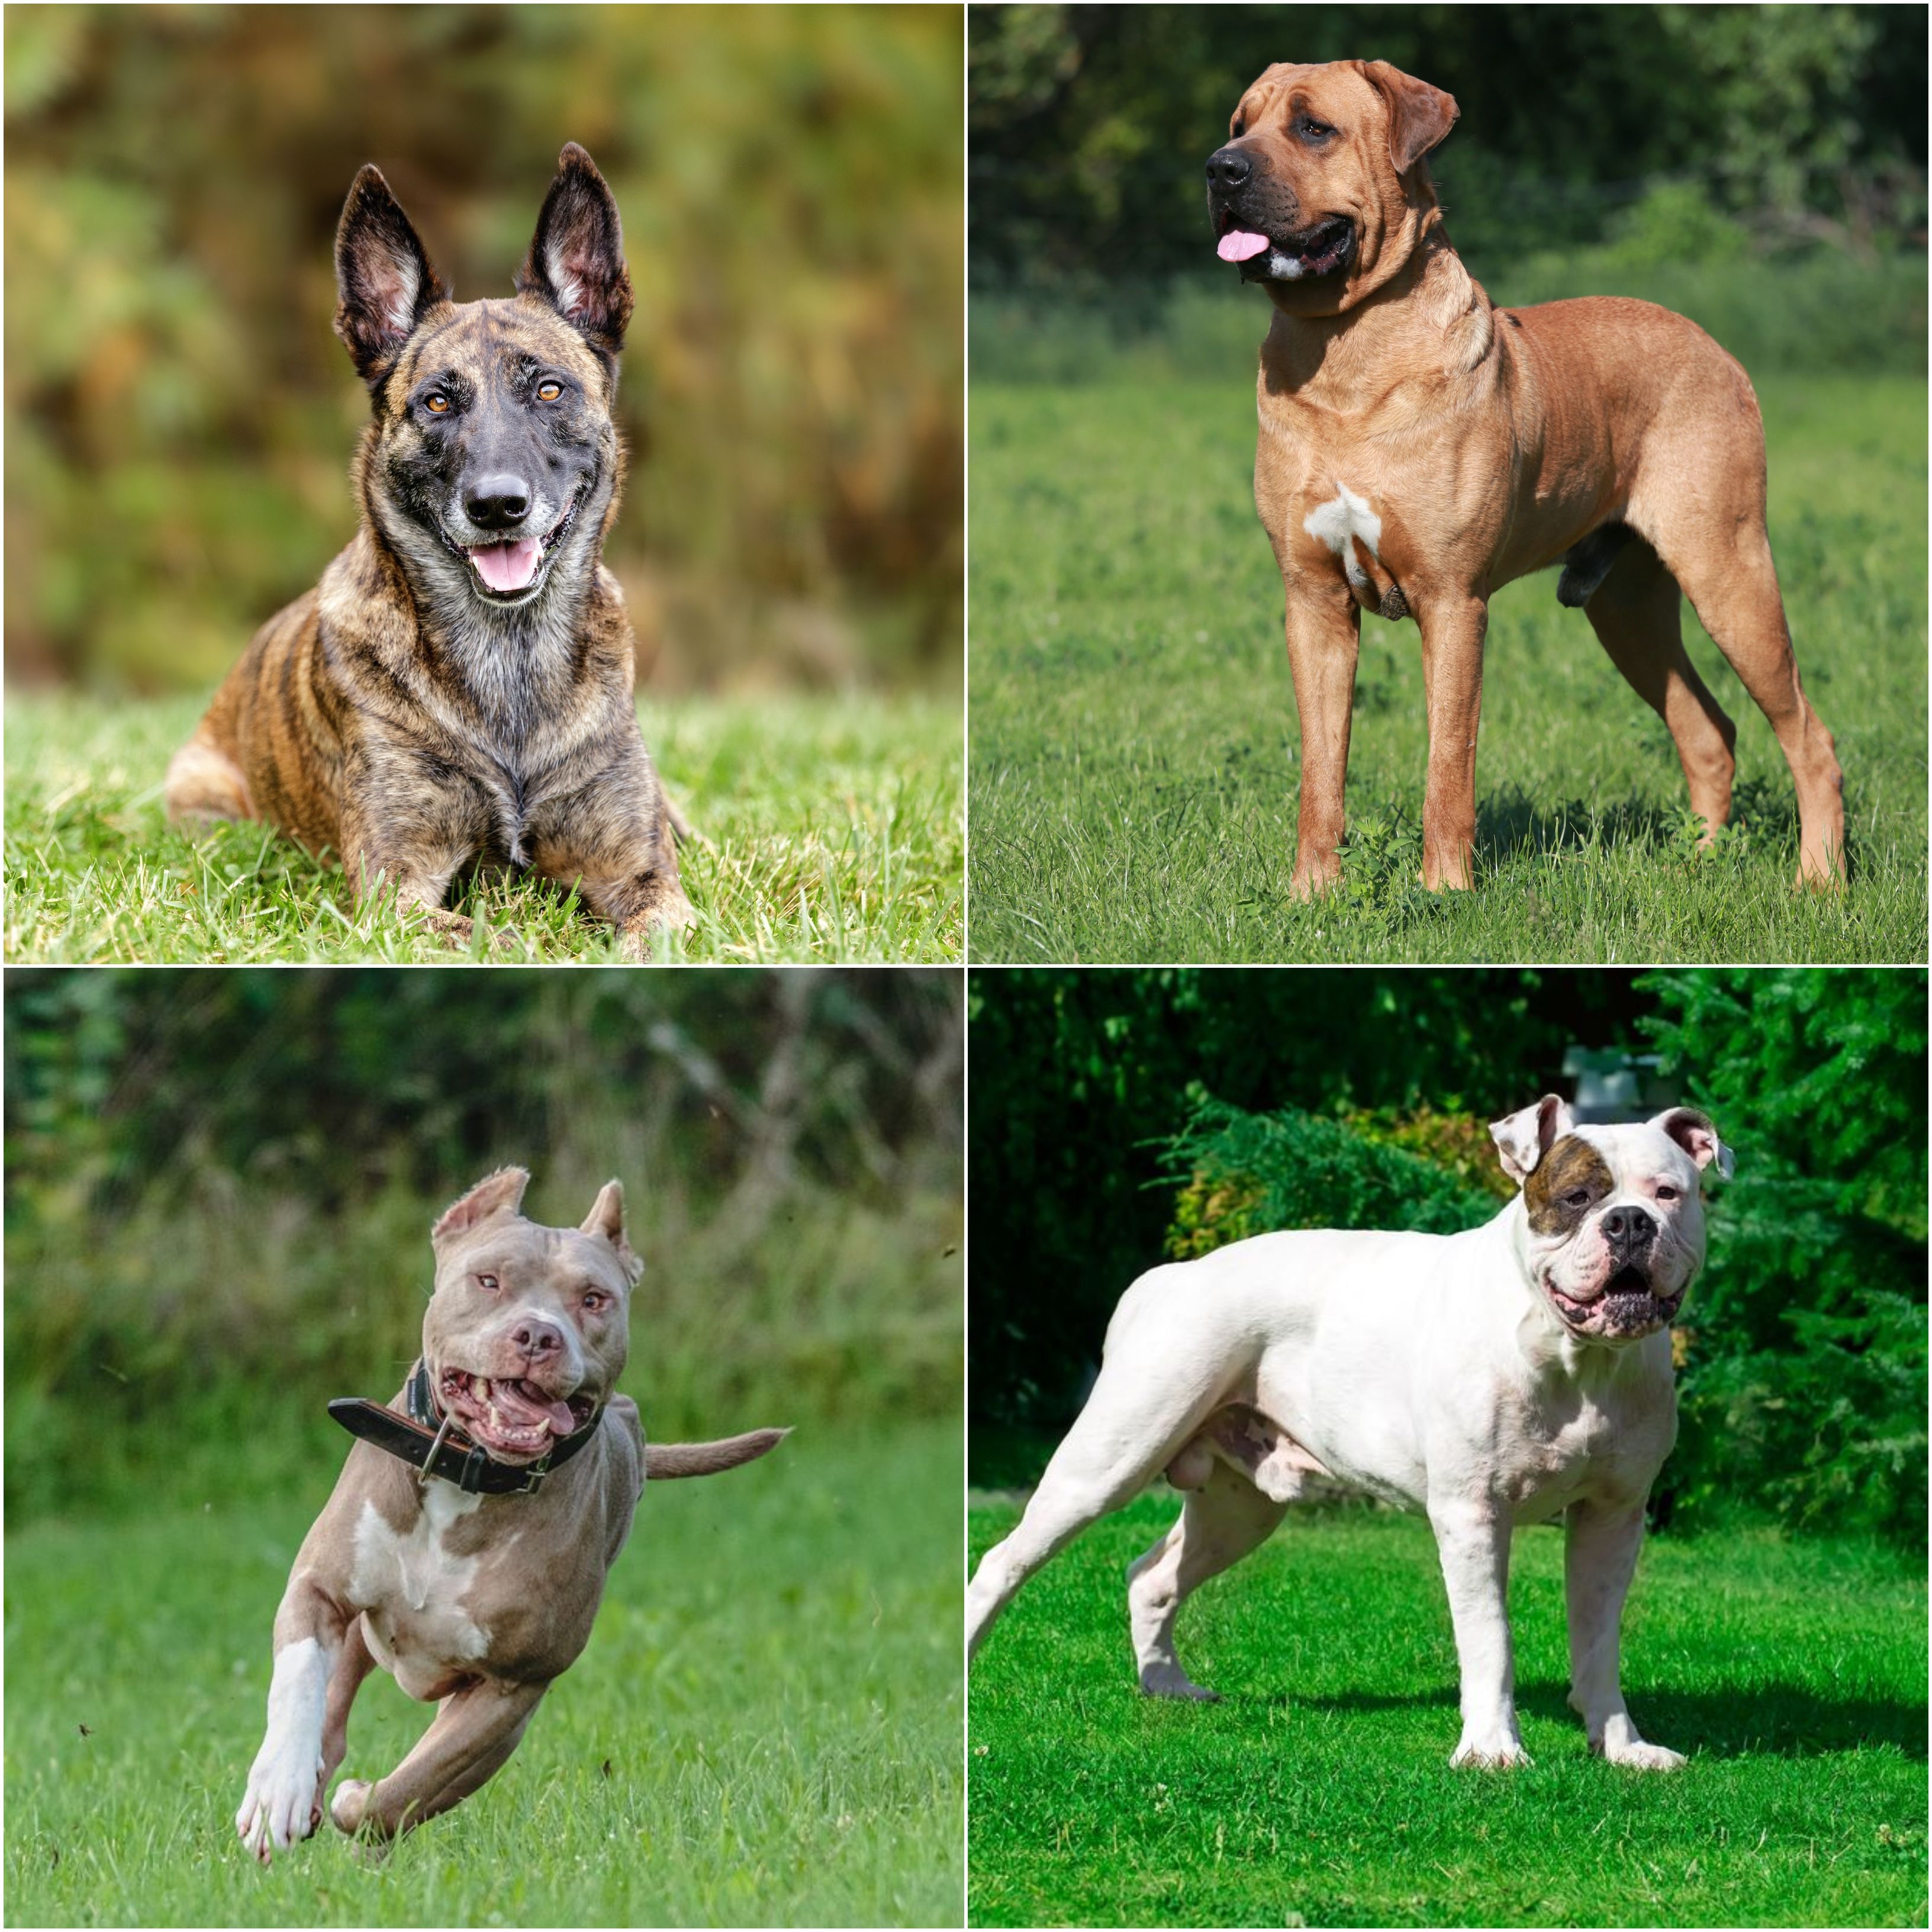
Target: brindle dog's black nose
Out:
[1228,169]
[497,502]
[1627,1228]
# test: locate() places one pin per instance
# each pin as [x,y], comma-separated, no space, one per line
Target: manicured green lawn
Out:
[765,1729]
[1134,741]
[1319,1792]
[835,827]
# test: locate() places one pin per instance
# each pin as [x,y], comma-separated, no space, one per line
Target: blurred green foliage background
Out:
[180,418]
[1761,168]
[220,1187]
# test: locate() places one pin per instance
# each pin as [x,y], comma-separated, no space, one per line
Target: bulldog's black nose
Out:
[1626,1229]
[1228,169]
[497,502]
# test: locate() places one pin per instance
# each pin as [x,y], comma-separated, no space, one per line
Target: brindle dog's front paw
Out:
[457,930]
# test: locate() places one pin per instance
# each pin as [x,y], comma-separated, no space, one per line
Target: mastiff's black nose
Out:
[1628,1230]
[1228,169]
[497,502]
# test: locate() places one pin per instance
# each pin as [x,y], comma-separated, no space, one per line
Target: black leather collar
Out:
[435,1445]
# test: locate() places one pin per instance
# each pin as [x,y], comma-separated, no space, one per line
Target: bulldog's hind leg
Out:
[1144,1408]
[1219,1523]
[1634,610]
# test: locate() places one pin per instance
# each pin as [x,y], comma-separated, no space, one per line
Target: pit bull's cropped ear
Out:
[1420,115]
[1693,1132]
[576,261]
[607,1218]
[384,282]
[1525,1137]
[501,1193]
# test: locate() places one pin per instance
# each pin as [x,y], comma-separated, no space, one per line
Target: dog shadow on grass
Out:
[1513,822]
[1772,1720]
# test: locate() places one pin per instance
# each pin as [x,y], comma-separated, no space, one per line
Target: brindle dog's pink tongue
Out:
[1237,245]
[507,566]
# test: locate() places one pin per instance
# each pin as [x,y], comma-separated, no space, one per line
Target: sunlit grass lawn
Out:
[764,1730]
[1319,1792]
[1134,743]
[834,831]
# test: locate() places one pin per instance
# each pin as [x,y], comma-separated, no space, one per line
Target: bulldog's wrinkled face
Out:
[1614,1219]
[1319,191]
[528,1327]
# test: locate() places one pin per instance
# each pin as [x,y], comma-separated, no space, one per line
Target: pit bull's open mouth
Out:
[511,573]
[514,1421]
[1296,257]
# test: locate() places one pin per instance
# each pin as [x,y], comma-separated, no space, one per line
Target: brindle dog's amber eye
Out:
[437,405]
[549,391]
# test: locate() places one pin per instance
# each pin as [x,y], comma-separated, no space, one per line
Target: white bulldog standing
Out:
[1506,1375]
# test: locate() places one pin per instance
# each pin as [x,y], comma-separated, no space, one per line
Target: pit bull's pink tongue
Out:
[524,1403]
[1238,245]
[507,566]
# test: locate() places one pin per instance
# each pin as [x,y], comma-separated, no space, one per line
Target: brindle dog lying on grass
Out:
[457,689]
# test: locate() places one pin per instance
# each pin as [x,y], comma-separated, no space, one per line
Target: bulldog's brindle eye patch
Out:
[1564,1184]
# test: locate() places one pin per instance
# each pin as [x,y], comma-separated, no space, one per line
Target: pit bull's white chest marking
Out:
[1338,523]
[415,1587]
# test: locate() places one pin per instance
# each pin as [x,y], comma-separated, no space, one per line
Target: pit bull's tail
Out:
[707,1459]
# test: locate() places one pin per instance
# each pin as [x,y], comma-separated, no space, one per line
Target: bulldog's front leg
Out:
[283,1801]
[1599,1559]
[1473,1542]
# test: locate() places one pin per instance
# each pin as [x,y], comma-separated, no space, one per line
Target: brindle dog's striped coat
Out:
[458,687]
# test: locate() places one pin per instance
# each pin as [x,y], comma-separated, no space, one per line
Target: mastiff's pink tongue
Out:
[507,566]
[1238,245]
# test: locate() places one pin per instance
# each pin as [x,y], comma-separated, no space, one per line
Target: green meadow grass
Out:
[833,827]
[1134,742]
[1319,1792]
[764,1730]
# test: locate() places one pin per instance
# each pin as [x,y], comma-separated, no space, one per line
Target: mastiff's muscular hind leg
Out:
[472,1737]
[1634,612]
[1219,1523]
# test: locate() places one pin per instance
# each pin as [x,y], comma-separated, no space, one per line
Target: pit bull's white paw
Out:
[1639,1756]
[1169,1680]
[283,1804]
[1493,1750]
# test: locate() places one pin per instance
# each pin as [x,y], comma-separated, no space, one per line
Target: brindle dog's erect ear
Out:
[501,1193]
[383,279]
[1523,1138]
[606,1219]
[576,261]
[1420,115]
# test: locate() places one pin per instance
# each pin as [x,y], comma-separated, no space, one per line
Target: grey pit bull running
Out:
[475,1601]
[1516,1373]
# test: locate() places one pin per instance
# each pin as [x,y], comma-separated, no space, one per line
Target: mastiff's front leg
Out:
[1473,1541]
[1324,641]
[1452,630]
[1599,1559]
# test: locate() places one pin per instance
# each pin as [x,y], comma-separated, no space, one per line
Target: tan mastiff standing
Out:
[1419,448]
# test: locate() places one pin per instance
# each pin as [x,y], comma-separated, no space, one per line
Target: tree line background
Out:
[180,418]
[220,1187]
[1123,1118]
[1763,168]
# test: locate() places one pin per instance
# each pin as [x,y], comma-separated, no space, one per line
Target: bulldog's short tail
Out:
[707,1459]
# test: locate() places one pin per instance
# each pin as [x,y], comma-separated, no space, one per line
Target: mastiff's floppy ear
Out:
[1419,116]
[500,1193]
[1523,1138]
[1693,1132]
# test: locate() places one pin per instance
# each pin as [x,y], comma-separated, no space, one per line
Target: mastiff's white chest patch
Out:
[1339,523]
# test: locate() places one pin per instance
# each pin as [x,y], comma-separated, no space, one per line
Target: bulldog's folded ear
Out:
[1523,1138]
[1693,1132]
[501,1193]
[607,1218]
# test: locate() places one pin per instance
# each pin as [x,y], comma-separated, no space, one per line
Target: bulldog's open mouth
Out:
[1296,257]
[515,1421]
[1627,1308]
[512,573]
